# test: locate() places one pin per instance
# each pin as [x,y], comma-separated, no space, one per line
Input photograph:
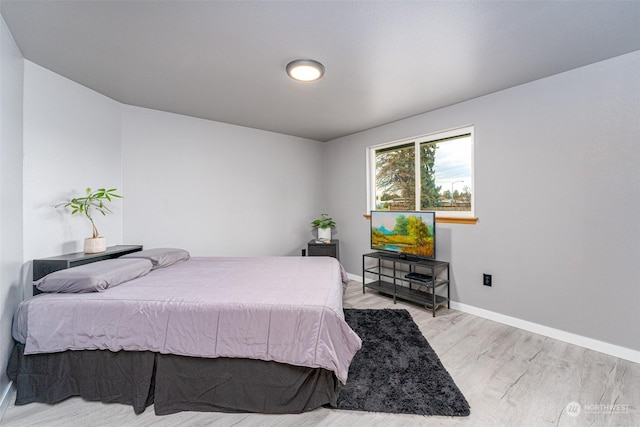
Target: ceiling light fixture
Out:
[305,70]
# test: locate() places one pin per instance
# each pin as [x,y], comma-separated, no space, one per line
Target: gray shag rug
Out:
[396,370]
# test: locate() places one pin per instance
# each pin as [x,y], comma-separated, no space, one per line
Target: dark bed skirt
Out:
[171,383]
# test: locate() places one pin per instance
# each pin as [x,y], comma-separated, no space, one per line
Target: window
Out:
[433,172]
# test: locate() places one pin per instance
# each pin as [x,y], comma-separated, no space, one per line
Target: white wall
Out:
[217,189]
[213,188]
[71,142]
[557,197]
[11,259]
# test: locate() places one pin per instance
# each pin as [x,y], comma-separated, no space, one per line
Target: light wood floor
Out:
[510,378]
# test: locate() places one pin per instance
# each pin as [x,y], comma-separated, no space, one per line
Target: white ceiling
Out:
[385,60]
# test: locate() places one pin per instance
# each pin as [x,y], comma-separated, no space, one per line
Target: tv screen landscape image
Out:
[409,233]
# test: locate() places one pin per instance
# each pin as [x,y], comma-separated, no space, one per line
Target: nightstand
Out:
[331,249]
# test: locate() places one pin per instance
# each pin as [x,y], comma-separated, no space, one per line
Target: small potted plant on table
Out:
[85,205]
[324,224]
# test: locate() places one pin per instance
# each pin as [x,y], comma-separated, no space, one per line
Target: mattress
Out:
[282,309]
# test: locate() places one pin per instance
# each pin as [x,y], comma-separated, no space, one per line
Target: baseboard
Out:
[354,277]
[6,398]
[568,337]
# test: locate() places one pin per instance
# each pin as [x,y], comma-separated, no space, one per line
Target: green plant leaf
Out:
[91,201]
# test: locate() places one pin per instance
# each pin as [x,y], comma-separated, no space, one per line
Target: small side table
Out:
[331,249]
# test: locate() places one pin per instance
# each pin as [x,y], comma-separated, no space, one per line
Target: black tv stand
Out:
[409,278]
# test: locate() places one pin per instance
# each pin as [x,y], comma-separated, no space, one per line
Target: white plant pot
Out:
[324,233]
[95,245]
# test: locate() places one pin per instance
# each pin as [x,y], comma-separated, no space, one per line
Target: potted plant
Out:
[324,225]
[86,205]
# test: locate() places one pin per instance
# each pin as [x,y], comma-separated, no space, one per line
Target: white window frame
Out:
[431,137]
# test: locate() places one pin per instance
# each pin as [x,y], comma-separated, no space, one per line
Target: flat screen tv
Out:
[410,234]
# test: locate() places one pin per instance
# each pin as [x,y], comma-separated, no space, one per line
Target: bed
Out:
[263,334]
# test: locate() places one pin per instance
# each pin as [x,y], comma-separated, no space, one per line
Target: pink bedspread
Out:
[285,309]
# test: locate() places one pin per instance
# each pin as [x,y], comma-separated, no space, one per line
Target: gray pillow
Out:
[160,257]
[94,277]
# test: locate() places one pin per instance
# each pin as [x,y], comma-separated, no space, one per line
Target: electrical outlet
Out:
[486,279]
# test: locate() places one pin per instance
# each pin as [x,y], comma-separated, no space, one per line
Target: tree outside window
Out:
[443,181]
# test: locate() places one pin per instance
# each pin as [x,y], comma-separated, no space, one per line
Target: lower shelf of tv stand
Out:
[404,293]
